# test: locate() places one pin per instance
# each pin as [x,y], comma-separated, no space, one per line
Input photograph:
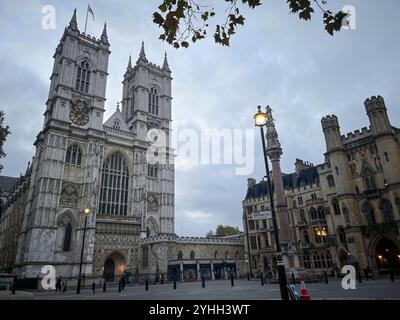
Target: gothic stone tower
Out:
[66,165]
[146,106]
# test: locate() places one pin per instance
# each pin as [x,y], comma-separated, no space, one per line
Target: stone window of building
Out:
[306,236]
[152,171]
[153,101]
[117,125]
[251,225]
[83,77]
[266,240]
[370,183]
[237,256]
[226,254]
[73,155]
[387,210]
[114,186]
[313,213]
[253,243]
[306,262]
[335,205]
[320,234]
[320,213]
[259,241]
[337,170]
[300,200]
[317,261]
[192,255]
[67,238]
[368,211]
[180,255]
[331,181]
[264,222]
[302,216]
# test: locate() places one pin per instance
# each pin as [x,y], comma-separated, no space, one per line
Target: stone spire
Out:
[129,63]
[104,37]
[142,55]
[73,24]
[165,64]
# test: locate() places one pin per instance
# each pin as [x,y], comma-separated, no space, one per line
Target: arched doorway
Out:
[387,255]
[114,266]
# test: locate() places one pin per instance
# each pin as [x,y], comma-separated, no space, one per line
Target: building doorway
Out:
[114,266]
[387,256]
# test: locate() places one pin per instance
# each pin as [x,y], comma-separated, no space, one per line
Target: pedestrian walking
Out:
[58,284]
[65,286]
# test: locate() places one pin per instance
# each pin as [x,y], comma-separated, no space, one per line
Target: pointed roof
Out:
[104,37]
[117,117]
[142,55]
[129,62]
[165,64]
[73,24]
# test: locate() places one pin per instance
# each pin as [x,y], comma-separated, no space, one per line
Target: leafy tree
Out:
[226,230]
[4,132]
[210,233]
[183,21]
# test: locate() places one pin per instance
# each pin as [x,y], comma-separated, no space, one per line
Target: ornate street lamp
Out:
[86,212]
[261,120]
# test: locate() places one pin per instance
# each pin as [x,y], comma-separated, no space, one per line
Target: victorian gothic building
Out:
[84,164]
[343,211]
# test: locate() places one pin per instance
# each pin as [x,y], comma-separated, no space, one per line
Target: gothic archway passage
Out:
[387,255]
[114,266]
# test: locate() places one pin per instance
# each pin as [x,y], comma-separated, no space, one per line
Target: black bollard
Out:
[262,280]
[359,276]
[104,286]
[119,286]
[13,288]
[232,281]
[203,282]
[174,283]
[326,278]
[248,277]
[293,278]
[147,285]
[392,276]
[94,287]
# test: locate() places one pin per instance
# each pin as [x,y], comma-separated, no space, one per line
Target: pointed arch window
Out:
[368,211]
[335,205]
[331,181]
[83,77]
[192,255]
[320,213]
[387,210]
[180,255]
[73,155]
[153,101]
[114,186]
[67,238]
[313,213]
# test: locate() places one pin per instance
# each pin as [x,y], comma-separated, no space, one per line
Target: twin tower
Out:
[381,137]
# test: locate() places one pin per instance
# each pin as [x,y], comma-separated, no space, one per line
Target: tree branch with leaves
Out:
[185,21]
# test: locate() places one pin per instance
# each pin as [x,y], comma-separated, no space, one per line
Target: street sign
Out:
[261,215]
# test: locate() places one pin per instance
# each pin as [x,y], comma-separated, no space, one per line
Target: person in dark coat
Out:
[58,285]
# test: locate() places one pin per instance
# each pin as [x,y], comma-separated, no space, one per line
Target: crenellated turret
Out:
[331,128]
[378,118]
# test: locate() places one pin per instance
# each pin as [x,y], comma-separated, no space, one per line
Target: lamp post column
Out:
[86,212]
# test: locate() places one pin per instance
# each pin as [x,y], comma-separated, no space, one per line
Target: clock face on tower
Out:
[79,113]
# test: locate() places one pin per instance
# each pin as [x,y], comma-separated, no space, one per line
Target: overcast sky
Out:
[294,66]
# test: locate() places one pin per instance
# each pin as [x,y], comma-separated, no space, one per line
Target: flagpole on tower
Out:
[89,9]
[87,13]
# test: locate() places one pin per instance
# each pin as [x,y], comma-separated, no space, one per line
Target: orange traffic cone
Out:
[304,295]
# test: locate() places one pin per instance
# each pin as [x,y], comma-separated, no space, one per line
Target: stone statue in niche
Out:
[152,202]
[69,196]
